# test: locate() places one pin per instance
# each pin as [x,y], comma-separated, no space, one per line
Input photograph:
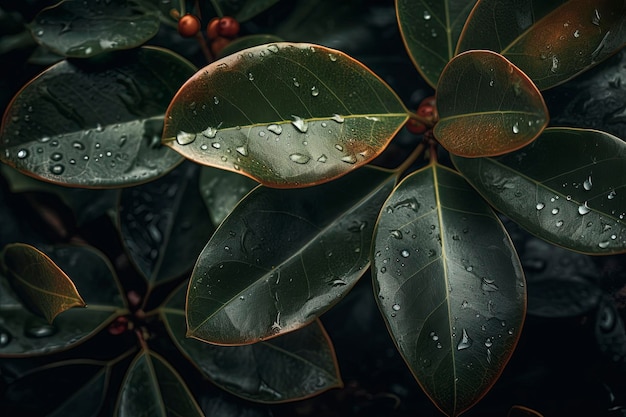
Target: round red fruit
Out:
[416,127]
[188,25]
[228,27]
[212,29]
[218,44]
[426,110]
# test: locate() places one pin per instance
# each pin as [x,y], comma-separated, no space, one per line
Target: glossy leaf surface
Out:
[551,41]
[487,106]
[291,367]
[39,280]
[164,224]
[287,115]
[221,190]
[24,334]
[246,42]
[153,387]
[449,285]
[578,203]
[243,10]
[430,30]
[62,128]
[75,28]
[283,257]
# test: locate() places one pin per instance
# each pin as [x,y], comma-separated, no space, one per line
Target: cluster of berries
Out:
[427,111]
[220,30]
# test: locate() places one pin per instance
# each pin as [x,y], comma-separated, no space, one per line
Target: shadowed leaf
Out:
[578,203]
[243,10]
[449,285]
[221,191]
[97,122]
[550,40]
[287,115]
[430,30]
[303,362]
[285,255]
[39,280]
[487,106]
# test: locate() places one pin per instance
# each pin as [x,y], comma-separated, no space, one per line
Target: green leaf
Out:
[246,42]
[578,203]
[449,286]
[487,106]
[286,255]
[430,30]
[164,224]
[95,123]
[242,10]
[39,280]
[24,334]
[287,115]
[153,387]
[551,41]
[221,191]
[75,28]
[306,360]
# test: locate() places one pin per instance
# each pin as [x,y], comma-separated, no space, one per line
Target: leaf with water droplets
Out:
[585,220]
[452,290]
[551,41]
[87,123]
[152,387]
[286,254]
[305,114]
[430,30]
[305,357]
[487,106]
[82,29]
[39,281]
[26,334]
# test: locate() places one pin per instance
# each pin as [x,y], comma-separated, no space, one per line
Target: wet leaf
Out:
[487,106]
[449,285]
[246,42]
[62,128]
[286,255]
[287,115]
[153,387]
[24,334]
[39,281]
[520,411]
[164,224]
[551,41]
[75,28]
[303,362]
[430,30]
[578,203]
[562,297]
[243,10]
[221,190]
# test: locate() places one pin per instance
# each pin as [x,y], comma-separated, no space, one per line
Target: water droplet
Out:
[491,83]
[427,15]
[433,33]
[583,209]
[439,346]
[338,283]
[210,132]
[276,129]
[38,329]
[204,147]
[540,206]
[405,253]
[272,48]
[22,153]
[99,128]
[559,223]
[185,138]
[350,159]
[338,118]
[299,124]
[555,64]
[5,337]
[464,304]
[611,195]
[434,336]
[314,91]
[469,268]
[216,145]
[555,210]
[488,342]
[465,341]
[299,158]
[488,285]
[56,156]
[604,245]
[216,100]
[395,307]
[57,169]
[577,33]
[397,234]
[242,297]
[323,158]
[595,19]
[587,184]
[242,150]
[515,128]
[332,57]
[250,76]
[261,133]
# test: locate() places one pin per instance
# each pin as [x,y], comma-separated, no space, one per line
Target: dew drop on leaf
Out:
[603,245]
[276,129]
[323,158]
[397,234]
[515,128]
[338,118]
[350,159]
[185,138]
[299,124]
[540,206]
[427,15]
[299,158]
[405,253]
[583,209]
[587,184]
[57,169]
[242,150]
[396,307]
[22,154]
[465,341]
[5,337]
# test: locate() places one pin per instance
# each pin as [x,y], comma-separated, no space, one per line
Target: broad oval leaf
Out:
[39,281]
[80,29]
[487,106]
[164,224]
[95,123]
[153,387]
[430,30]
[286,255]
[221,191]
[23,334]
[287,115]
[449,285]
[579,203]
[303,362]
[550,40]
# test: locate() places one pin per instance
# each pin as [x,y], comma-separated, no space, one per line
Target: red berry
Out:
[212,29]
[228,27]
[415,127]
[425,110]
[188,25]
[118,326]
[218,44]
[428,101]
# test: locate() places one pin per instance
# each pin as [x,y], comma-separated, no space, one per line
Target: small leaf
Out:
[164,224]
[287,115]
[449,286]
[39,280]
[243,10]
[487,106]
[221,191]
[578,203]
[551,41]
[153,387]
[430,30]
[286,255]
[306,360]
[95,123]
[246,42]
[81,29]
